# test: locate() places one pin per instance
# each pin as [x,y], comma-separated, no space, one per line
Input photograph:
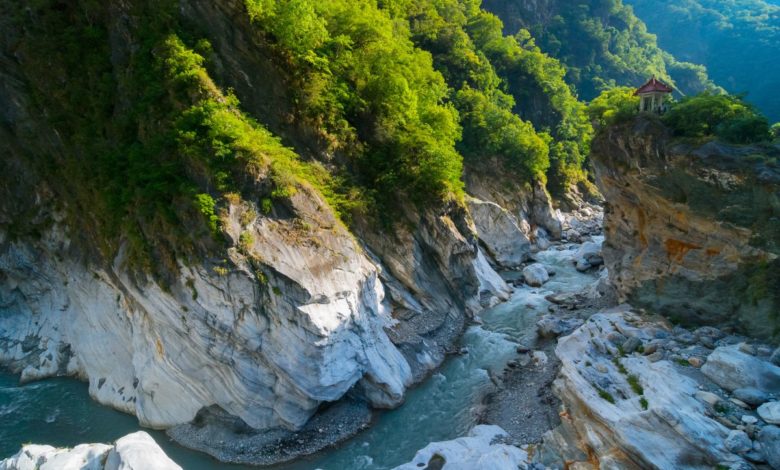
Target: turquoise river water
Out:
[59,412]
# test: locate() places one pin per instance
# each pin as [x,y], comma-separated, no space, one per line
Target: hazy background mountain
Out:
[737,40]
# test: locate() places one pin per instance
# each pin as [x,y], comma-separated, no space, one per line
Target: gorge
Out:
[333,234]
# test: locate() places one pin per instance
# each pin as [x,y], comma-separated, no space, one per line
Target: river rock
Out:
[732,369]
[775,357]
[751,396]
[769,438]
[770,412]
[479,450]
[631,344]
[550,326]
[707,397]
[738,442]
[137,451]
[588,256]
[535,275]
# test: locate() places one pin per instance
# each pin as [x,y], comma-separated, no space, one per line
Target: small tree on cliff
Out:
[615,105]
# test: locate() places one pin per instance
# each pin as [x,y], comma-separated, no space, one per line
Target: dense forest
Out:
[391,97]
[372,103]
[737,40]
[601,43]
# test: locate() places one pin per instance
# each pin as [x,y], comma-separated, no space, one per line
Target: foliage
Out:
[153,174]
[775,130]
[738,41]
[725,116]
[613,106]
[373,94]
[601,42]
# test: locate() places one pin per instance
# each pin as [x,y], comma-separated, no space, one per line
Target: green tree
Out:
[612,106]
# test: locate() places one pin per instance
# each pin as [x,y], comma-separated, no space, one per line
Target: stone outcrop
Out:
[499,232]
[529,205]
[630,410]
[136,451]
[692,232]
[482,448]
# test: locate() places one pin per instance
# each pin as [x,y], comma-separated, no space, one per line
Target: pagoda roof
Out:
[653,85]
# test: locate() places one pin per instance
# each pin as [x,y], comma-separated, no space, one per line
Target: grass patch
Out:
[643,402]
[606,395]
[633,381]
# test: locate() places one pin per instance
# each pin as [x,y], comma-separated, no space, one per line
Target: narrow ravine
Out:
[445,406]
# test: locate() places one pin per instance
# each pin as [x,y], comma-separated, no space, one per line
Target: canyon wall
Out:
[692,230]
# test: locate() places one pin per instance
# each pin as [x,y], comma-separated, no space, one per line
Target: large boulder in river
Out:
[481,449]
[692,232]
[137,451]
[535,275]
[732,369]
[588,256]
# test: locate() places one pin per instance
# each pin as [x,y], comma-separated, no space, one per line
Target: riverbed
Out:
[445,406]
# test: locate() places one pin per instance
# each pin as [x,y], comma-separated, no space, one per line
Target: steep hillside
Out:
[691,229]
[224,214]
[737,40]
[601,42]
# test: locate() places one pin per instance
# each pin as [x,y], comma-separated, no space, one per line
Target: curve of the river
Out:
[59,412]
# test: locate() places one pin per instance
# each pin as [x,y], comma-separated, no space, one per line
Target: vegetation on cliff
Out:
[398,93]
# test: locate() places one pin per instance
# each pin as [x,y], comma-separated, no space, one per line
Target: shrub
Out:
[613,106]
[723,116]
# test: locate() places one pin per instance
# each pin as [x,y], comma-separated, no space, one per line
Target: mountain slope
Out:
[738,41]
[601,42]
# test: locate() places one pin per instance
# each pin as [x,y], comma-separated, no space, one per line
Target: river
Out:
[59,412]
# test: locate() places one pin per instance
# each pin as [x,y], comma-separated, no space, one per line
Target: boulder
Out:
[479,450]
[588,256]
[751,396]
[551,326]
[136,451]
[770,412]
[535,275]
[769,438]
[499,232]
[732,369]
[738,442]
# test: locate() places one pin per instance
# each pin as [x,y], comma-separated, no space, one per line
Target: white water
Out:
[59,412]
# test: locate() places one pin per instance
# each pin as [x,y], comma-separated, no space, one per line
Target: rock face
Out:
[498,230]
[480,449]
[136,451]
[691,232]
[267,342]
[293,312]
[530,206]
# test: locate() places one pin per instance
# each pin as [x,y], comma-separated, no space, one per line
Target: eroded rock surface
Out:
[632,410]
[136,451]
[481,449]
[691,232]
